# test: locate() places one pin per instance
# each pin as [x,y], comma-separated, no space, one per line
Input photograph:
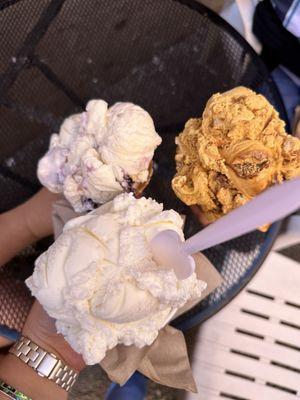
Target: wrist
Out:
[46,336]
[56,344]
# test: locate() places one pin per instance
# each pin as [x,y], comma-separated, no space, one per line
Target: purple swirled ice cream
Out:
[99,154]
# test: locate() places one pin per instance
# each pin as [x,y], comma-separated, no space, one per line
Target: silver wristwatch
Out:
[47,365]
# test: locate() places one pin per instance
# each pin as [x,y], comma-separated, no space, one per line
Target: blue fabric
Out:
[292,13]
[289,90]
[9,333]
[289,13]
[282,7]
[134,389]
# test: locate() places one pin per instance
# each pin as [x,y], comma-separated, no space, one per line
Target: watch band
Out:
[47,365]
[12,393]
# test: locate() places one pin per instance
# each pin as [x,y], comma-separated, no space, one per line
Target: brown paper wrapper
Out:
[166,360]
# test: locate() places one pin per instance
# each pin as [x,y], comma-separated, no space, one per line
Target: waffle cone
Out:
[141,186]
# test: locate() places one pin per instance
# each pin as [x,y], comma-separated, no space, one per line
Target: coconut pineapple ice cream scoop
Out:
[101,283]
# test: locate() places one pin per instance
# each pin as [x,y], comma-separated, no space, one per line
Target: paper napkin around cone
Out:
[166,360]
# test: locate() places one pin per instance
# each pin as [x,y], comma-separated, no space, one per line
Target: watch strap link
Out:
[47,365]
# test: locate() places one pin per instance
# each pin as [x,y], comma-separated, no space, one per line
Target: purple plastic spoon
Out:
[272,205]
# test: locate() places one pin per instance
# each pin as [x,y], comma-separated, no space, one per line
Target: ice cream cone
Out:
[141,186]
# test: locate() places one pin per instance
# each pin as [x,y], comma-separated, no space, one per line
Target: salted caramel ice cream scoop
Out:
[237,149]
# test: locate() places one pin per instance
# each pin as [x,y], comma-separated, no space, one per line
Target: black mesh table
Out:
[167,56]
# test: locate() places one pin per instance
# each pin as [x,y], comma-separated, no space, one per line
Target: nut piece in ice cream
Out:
[99,154]
[236,150]
[100,282]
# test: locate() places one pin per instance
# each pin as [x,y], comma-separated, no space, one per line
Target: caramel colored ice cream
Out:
[236,150]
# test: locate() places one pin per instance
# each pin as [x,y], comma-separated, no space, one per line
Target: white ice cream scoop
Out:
[99,282]
[270,206]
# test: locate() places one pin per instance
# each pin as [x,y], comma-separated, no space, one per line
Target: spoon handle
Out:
[273,204]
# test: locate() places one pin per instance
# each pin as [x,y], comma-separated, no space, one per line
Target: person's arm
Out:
[26,224]
[41,330]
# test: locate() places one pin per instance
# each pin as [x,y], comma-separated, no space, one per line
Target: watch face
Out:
[46,366]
